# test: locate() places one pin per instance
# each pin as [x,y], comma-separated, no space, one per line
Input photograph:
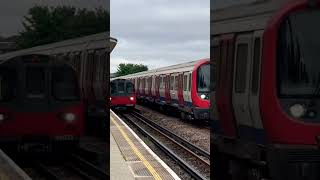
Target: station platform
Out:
[9,170]
[131,158]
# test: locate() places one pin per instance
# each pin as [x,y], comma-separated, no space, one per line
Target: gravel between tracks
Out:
[198,134]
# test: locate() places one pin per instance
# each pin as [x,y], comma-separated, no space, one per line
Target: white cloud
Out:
[159,33]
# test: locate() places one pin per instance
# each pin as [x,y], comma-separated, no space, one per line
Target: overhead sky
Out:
[159,33]
[12,11]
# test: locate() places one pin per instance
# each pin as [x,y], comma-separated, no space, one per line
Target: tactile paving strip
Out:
[138,168]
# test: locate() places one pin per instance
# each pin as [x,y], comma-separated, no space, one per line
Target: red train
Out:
[32,110]
[122,94]
[184,87]
[266,116]
[40,103]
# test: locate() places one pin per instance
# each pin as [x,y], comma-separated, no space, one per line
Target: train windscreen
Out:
[203,79]
[121,87]
[35,82]
[64,84]
[298,53]
[8,84]
[129,87]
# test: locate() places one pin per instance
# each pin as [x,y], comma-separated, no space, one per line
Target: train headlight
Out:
[69,117]
[2,117]
[131,98]
[203,96]
[297,110]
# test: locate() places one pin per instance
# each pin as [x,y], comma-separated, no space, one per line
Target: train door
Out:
[162,87]
[186,87]
[150,86]
[173,93]
[240,95]
[254,102]
[167,89]
[138,86]
[157,87]
[224,88]
[180,89]
[89,76]
[143,84]
[83,73]
[214,80]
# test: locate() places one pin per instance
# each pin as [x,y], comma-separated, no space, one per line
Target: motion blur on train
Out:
[267,111]
[122,94]
[183,88]
[49,93]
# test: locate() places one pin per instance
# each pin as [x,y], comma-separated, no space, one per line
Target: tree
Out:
[125,69]
[45,25]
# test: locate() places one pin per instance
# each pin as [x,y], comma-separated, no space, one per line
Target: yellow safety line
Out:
[137,152]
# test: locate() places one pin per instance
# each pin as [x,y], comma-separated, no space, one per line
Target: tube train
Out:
[184,87]
[47,92]
[122,94]
[265,122]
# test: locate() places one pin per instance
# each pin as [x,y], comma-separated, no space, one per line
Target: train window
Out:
[8,84]
[161,83]
[64,84]
[185,82]
[189,76]
[203,78]
[129,88]
[176,82]
[256,66]
[113,88]
[298,68]
[121,87]
[35,82]
[241,68]
[171,82]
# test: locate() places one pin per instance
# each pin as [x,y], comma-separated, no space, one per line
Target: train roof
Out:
[247,16]
[95,41]
[183,67]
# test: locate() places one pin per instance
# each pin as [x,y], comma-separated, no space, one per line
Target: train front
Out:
[40,106]
[201,90]
[290,90]
[122,94]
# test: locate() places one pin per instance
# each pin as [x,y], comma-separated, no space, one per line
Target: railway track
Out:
[75,165]
[193,160]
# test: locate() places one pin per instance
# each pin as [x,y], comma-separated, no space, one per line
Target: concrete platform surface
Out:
[9,170]
[130,154]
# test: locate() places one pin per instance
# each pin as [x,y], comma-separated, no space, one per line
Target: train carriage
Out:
[184,87]
[265,119]
[122,94]
[40,105]
[89,57]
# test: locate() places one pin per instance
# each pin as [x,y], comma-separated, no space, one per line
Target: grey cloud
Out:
[152,31]
[12,11]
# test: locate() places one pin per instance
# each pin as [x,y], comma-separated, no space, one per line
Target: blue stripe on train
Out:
[252,134]
[244,132]
[186,103]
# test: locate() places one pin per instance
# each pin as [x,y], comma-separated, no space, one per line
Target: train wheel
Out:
[182,115]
